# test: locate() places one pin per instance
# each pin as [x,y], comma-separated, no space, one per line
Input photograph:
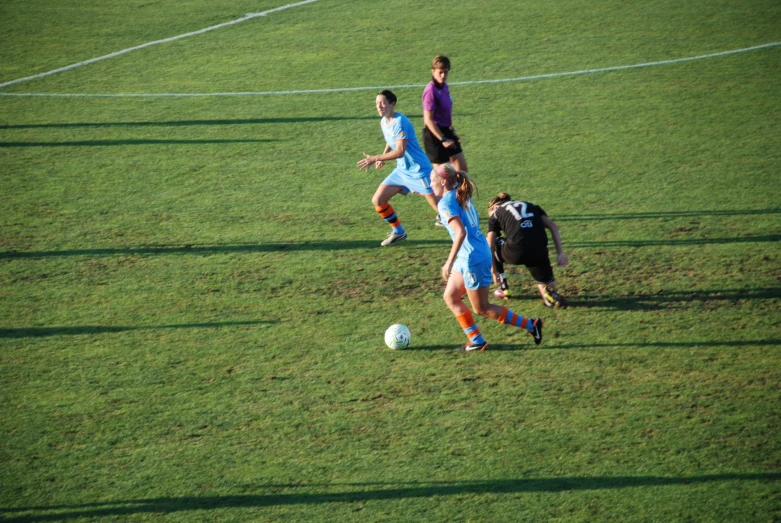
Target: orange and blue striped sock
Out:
[389,215]
[510,318]
[470,328]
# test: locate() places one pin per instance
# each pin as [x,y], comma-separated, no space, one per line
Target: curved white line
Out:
[248,16]
[378,88]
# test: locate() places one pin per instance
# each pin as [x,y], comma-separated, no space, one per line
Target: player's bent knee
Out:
[482,310]
[451,299]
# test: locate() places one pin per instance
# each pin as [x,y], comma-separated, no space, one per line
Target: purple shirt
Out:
[438,100]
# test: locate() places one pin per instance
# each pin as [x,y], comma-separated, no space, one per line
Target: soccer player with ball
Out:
[468,266]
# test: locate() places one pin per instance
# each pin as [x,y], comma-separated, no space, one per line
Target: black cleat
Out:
[537,332]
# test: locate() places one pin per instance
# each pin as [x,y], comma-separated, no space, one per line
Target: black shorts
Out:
[539,264]
[436,152]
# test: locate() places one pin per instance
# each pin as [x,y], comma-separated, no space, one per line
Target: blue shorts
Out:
[409,183]
[476,275]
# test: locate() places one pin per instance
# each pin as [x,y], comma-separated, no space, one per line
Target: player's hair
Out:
[499,199]
[441,62]
[388,96]
[461,181]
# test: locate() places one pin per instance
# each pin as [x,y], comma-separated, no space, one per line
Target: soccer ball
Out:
[398,336]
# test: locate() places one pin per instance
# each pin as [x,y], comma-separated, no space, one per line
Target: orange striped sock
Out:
[470,328]
[510,318]
[389,215]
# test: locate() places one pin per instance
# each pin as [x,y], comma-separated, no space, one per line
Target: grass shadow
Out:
[768,238]
[217,249]
[393,491]
[650,345]
[670,344]
[188,123]
[113,143]
[657,215]
[665,299]
[40,332]
[343,245]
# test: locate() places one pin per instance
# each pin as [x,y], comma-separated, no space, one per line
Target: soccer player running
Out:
[526,244]
[468,266]
[412,172]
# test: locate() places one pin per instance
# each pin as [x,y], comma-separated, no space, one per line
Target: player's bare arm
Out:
[561,258]
[388,154]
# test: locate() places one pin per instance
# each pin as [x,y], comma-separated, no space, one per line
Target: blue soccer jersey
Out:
[475,247]
[414,163]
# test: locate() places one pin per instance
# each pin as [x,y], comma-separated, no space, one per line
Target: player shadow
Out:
[456,349]
[657,215]
[218,249]
[188,123]
[114,143]
[551,343]
[41,332]
[363,492]
[673,299]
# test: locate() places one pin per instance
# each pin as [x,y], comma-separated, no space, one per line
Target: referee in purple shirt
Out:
[440,140]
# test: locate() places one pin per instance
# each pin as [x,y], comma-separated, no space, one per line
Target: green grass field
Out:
[194,297]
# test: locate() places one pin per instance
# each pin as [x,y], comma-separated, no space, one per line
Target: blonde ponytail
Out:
[462,183]
[465,188]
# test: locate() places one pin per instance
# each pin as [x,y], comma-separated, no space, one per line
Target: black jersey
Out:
[522,225]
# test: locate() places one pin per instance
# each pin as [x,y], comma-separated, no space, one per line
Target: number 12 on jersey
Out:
[518,210]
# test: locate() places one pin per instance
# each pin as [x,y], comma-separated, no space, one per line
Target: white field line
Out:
[248,16]
[378,88]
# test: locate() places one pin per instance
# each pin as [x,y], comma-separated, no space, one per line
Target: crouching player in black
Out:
[525,243]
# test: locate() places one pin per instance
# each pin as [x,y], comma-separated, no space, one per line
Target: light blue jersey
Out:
[475,248]
[414,163]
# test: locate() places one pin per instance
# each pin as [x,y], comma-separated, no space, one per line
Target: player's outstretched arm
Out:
[380,159]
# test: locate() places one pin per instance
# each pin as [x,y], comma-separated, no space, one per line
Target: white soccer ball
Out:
[398,336]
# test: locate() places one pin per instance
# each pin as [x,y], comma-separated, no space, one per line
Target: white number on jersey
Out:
[518,210]
[472,216]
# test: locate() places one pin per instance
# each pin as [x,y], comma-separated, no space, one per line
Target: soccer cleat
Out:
[393,238]
[537,332]
[499,293]
[551,298]
[438,222]
[473,346]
